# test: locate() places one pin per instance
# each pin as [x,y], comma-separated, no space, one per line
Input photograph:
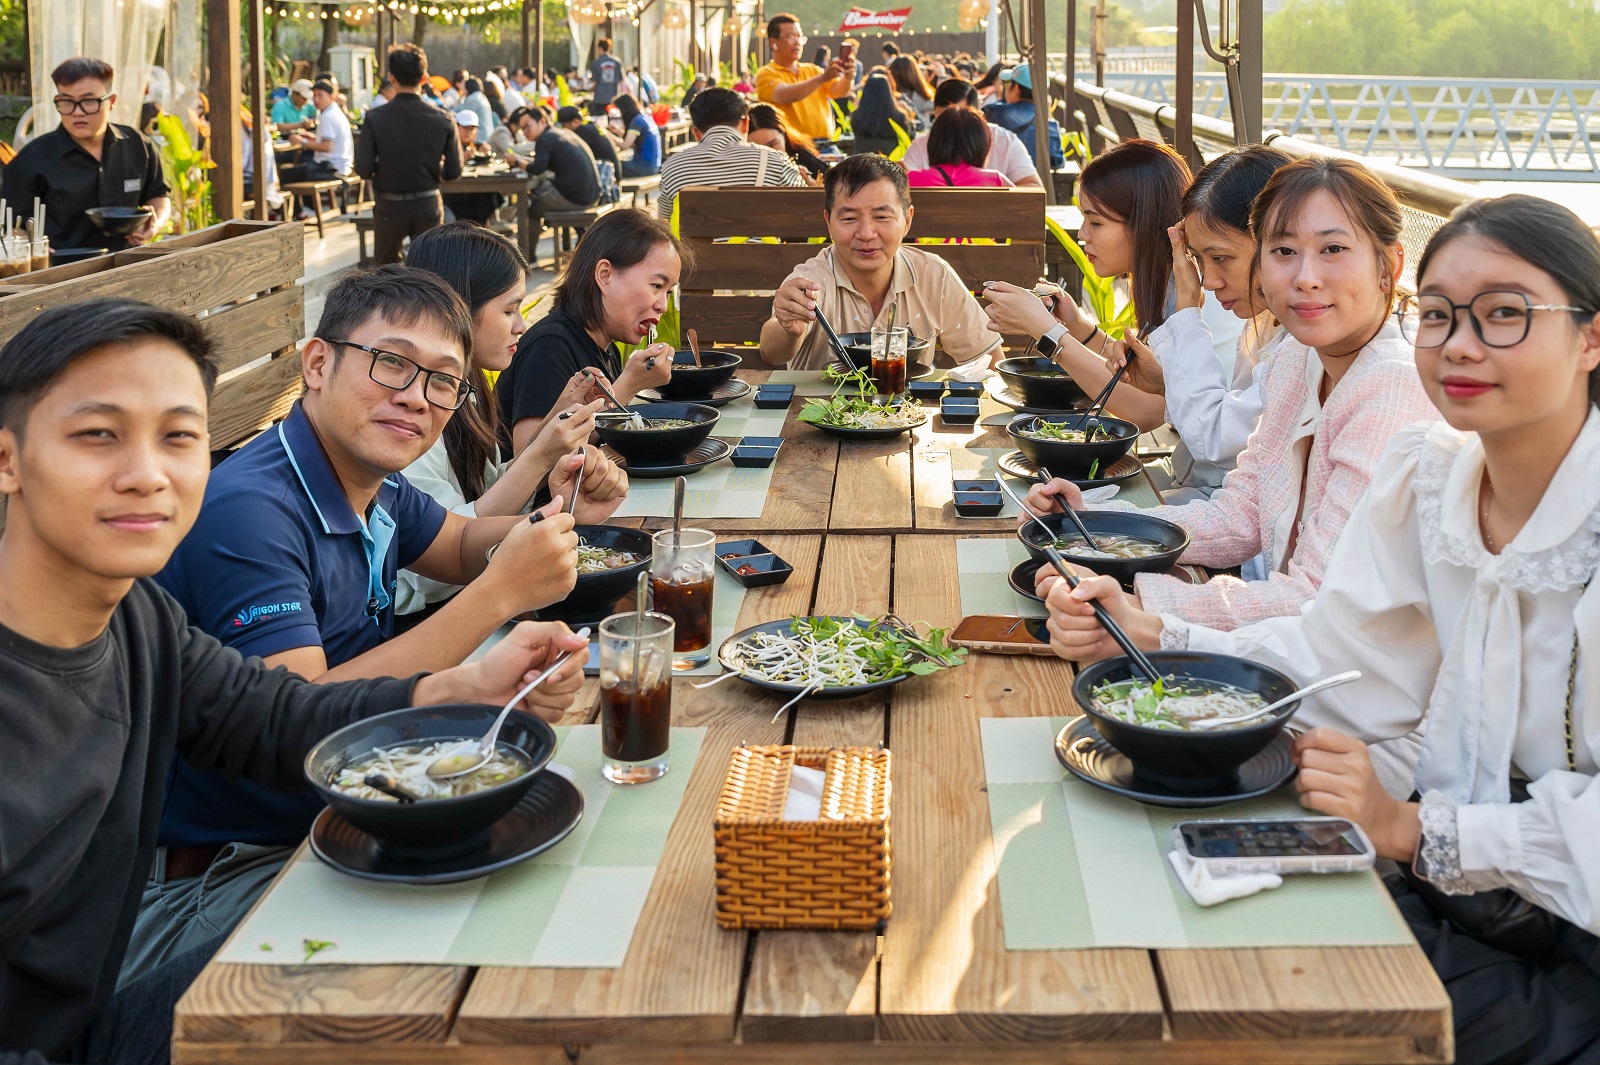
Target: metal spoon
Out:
[469,761]
[1006,488]
[678,488]
[1310,689]
[694,346]
[577,486]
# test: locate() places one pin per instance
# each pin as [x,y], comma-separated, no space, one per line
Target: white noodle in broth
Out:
[407,765]
[1113,545]
[1177,704]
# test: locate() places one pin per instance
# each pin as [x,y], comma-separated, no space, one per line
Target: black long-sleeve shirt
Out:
[88,735]
[570,164]
[408,145]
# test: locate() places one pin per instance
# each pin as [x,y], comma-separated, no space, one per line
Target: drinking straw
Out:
[640,589]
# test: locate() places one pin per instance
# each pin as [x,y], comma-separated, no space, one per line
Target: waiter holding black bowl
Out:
[87,162]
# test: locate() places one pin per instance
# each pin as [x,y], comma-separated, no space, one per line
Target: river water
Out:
[1583,197]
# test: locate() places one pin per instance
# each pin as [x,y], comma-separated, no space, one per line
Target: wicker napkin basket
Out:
[832,873]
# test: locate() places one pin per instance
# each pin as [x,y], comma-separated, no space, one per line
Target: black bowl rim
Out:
[705,355]
[535,766]
[625,533]
[1131,430]
[1086,678]
[143,210]
[1090,517]
[706,414]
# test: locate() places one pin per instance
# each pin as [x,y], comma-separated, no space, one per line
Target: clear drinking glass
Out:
[41,254]
[682,573]
[635,696]
[21,255]
[889,360]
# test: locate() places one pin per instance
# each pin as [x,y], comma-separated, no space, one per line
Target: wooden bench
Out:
[635,187]
[568,226]
[364,223]
[728,294]
[310,194]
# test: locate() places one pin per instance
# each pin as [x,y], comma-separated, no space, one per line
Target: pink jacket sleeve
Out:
[1359,426]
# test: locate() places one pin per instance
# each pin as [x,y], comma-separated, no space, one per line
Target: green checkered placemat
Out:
[743,418]
[983,567]
[721,490]
[975,463]
[1082,868]
[574,906]
[806,383]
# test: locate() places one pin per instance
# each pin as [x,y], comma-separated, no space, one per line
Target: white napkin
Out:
[976,370]
[1208,889]
[804,799]
[1102,494]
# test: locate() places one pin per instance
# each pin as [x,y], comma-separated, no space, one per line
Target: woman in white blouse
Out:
[463,471]
[1461,589]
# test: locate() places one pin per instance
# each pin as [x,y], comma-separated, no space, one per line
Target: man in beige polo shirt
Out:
[865,271]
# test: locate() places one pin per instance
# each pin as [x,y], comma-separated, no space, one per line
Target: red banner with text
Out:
[858,18]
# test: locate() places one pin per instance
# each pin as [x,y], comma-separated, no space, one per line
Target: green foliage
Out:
[14,30]
[1557,39]
[185,169]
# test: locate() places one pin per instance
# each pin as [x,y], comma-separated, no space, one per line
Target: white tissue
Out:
[1102,494]
[1208,889]
[804,799]
[976,370]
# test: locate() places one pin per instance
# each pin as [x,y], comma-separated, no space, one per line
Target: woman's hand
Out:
[1057,494]
[1185,272]
[581,389]
[1143,368]
[605,485]
[1015,310]
[1075,632]
[564,433]
[1336,778]
[1068,313]
[649,367]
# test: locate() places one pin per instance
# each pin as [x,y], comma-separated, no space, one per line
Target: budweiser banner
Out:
[861,19]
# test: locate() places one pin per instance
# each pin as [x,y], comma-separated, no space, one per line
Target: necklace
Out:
[1483,516]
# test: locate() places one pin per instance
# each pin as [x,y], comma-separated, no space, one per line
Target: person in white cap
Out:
[1016,114]
[295,111]
[477,206]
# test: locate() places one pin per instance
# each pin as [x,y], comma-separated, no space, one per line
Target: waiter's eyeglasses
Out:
[397,372]
[65,105]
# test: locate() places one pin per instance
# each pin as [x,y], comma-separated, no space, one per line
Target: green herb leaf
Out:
[266,947]
[317,946]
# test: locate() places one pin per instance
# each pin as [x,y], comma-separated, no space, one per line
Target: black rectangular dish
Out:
[752,564]
[926,391]
[965,388]
[774,397]
[979,504]
[959,411]
[754,458]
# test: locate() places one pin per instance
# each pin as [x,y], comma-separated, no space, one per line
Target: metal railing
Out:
[1476,129]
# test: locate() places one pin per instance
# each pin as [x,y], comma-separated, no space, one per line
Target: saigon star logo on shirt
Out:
[251,614]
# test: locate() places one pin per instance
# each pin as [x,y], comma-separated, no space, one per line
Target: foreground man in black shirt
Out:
[104,459]
[87,162]
[406,147]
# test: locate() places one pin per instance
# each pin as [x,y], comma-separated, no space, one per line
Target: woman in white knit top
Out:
[1463,590]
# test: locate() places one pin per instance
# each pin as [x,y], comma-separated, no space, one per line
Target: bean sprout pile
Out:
[407,764]
[825,652]
[859,411]
[592,559]
[1173,705]
[1112,545]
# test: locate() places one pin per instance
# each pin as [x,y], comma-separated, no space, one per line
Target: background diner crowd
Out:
[1382,477]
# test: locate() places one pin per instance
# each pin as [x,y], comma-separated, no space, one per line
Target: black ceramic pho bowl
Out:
[595,595]
[1189,760]
[859,347]
[1173,539]
[1041,384]
[691,382]
[658,447]
[433,829]
[119,221]
[1109,439]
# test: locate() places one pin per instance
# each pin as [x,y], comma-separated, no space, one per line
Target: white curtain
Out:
[183,60]
[125,33]
[583,35]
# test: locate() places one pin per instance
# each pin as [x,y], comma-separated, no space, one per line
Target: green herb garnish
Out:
[317,946]
[858,411]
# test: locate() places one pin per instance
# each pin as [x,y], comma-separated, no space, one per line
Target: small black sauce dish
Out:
[767,567]
[926,391]
[964,388]
[754,458]
[975,484]
[959,411]
[979,504]
[773,442]
[774,397]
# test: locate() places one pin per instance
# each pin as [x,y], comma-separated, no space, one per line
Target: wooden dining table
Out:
[868,529]
[498,177]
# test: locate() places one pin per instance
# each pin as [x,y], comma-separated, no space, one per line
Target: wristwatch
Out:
[1050,343]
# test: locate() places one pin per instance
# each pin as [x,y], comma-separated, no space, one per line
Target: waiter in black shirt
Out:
[406,147]
[87,162]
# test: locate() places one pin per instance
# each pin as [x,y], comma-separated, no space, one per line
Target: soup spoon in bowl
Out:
[1208,723]
[471,757]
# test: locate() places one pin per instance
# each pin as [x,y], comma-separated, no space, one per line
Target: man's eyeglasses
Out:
[1501,319]
[397,372]
[65,105]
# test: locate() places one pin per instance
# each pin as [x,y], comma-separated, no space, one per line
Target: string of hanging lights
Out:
[356,12]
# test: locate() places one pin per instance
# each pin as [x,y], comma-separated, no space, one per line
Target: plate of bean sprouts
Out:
[832,656]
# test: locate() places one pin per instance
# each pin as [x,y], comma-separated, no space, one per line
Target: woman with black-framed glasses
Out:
[1463,589]
[87,162]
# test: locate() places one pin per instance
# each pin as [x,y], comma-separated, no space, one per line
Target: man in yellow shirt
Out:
[801,90]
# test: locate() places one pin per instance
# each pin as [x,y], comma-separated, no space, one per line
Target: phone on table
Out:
[1276,845]
[591,668]
[1001,634]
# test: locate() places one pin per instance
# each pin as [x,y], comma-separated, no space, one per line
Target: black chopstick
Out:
[833,339]
[1098,407]
[1129,648]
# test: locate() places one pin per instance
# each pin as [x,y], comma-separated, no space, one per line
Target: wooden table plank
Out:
[822,986]
[946,975]
[680,980]
[872,492]
[932,470]
[1288,995]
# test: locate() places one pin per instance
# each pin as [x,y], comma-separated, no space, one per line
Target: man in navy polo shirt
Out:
[293,559]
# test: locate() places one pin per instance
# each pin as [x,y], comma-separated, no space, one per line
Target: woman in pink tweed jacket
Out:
[1338,387]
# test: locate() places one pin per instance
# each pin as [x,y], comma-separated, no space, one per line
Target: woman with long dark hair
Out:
[958,146]
[912,89]
[640,134]
[1462,588]
[876,117]
[463,470]
[768,129]
[613,292]
[1339,387]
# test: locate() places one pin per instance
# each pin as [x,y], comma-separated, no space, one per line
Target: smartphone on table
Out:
[1002,634]
[1276,845]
